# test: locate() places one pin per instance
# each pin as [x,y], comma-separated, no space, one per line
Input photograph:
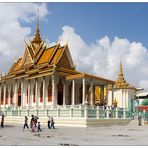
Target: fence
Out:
[70,112]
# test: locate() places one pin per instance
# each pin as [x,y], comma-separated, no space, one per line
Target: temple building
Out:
[46,76]
[123,94]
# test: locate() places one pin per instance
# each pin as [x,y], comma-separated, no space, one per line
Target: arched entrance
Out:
[41,93]
[34,94]
[19,97]
[2,96]
[7,93]
[49,92]
[60,93]
[11,96]
[69,94]
[80,94]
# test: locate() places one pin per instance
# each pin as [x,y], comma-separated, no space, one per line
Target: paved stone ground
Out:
[131,134]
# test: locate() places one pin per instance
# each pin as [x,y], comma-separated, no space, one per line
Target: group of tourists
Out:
[34,124]
[50,122]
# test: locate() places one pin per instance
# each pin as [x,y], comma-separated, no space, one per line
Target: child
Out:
[52,123]
[39,127]
[33,127]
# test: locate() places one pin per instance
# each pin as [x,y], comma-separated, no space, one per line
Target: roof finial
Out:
[37,22]
[121,82]
[37,37]
[121,71]
[120,75]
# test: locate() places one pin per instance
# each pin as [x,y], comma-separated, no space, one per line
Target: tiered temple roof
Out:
[39,60]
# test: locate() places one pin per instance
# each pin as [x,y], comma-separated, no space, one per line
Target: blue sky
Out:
[99,35]
[94,20]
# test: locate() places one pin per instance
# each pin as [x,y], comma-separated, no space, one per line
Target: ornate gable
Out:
[27,60]
[65,59]
[64,62]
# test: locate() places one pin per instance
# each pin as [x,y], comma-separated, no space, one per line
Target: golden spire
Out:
[120,75]
[120,82]
[37,38]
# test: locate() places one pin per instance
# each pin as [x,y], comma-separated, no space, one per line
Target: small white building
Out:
[123,93]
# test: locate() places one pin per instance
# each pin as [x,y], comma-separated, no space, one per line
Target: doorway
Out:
[60,93]
[19,97]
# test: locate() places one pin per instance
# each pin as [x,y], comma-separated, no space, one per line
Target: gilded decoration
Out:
[121,82]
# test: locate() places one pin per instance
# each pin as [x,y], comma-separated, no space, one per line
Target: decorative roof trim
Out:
[56,48]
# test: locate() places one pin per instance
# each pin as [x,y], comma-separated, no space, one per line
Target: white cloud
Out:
[103,57]
[143,84]
[12,34]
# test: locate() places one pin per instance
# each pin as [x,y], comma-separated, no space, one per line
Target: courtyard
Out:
[131,134]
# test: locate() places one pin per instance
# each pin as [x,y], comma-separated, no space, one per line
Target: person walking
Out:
[39,127]
[139,121]
[26,123]
[49,122]
[2,121]
[32,121]
[52,123]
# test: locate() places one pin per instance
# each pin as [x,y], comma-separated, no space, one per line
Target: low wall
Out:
[71,112]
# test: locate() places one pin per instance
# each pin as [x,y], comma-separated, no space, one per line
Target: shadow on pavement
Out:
[9,126]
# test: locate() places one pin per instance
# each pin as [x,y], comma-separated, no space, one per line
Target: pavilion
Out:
[46,76]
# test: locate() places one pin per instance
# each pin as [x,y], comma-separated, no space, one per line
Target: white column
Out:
[116,113]
[122,98]
[107,112]
[44,87]
[85,112]
[125,98]
[24,94]
[92,93]
[9,91]
[64,93]
[83,97]
[107,92]
[124,113]
[15,93]
[73,92]
[112,93]
[54,91]
[29,92]
[4,103]
[98,112]
[36,93]
[22,90]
